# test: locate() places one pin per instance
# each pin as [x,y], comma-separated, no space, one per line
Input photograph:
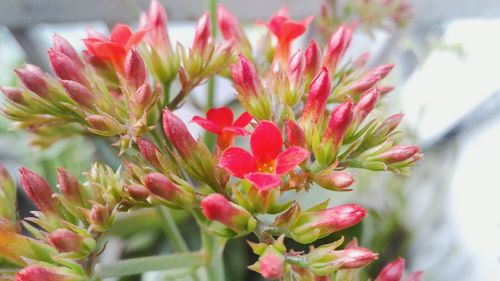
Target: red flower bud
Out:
[340,119]
[202,33]
[161,186]
[13,94]
[38,190]
[245,76]
[381,71]
[313,59]
[385,89]
[143,96]
[271,265]
[135,70]
[33,79]
[364,84]
[69,186]
[319,92]
[354,257]
[338,181]
[65,240]
[104,124]
[38,273]
[149,151]
[296,67]
[63,46]
[78,93]
[415,276]
[392,271]
[178,134]
[229,25]
[337,45]
[399,153]
[99,215]
[361,61]
[294,134]
[365,105]
[65,68]
[217,207]
[137,192]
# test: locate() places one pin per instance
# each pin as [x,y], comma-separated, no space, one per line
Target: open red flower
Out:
[266,162]
[220,122]
[115,48]
[286,30]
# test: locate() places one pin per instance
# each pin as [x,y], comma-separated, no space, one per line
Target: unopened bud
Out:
[313,59]
[65,240]
[392,271]
[38,273]
[38,190]
[178,134]
[230,28]
[137,192]
[202,33]
[319,92]
[78,93]
[365,105]
[33,79]
[399,153]
[135,69]
[105,125]
[415,276]
[161,186]
[381,71]
[217,207]
[337,45]
[65,68]
[144,96]
[362,85]
[294,134]
[63,46]
[245,77]
[338,181]
[69,186]
[13,94]
[149,151]
[296,68]
[99,215]
[271,265]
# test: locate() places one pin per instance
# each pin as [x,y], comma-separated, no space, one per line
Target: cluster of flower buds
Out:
[67,223]
[307,115]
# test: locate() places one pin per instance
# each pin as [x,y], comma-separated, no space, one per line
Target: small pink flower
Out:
[220,122]
[271,266]
[267,161]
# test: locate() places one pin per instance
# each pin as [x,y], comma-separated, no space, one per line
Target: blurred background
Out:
[444,219]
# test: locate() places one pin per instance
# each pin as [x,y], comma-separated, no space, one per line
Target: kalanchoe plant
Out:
[306,115]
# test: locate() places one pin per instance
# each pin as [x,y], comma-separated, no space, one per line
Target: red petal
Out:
[243,120]
[236,130]
[275,25]
[136,38]
[109,51]
[222,116]
[207,124]
[290,158]
[263,181]
[237,161]
[120,34]
[266,142]
[291,30]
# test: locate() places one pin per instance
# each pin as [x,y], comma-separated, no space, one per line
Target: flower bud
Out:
[362,85]
[392,271]
[340,120]
[78,93]
[312,225]
[202,33]
[144,96]
[33,79]
[178,134]
[162,187]
[65,240]
[385,89]
[296,68]
[313,59]
[399,153]
[13,94]
[336,181]
[381,71]
[217,207]
[415,276]
[294,134]
[104,125]
[63,46]
[137,192]
[386,128]
[135,69]
[157,19]
[38,190]
[69,186]
[38,273]
[319,92]
[337,45]
[271,265]
[99,216]
[149,151]
[362,60]
[231,29]
[65,68]
[365,105]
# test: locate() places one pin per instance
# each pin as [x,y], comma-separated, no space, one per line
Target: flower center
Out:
[267,167]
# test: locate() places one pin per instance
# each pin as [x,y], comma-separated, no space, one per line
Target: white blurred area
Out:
[447,86]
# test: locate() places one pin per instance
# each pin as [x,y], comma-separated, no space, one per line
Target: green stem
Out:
[214,246]
[166,93]
[140,265]
[171,230]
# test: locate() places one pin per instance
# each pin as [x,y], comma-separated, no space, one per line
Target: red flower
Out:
[220,122]
[115,48]
[267,162]
[286,30]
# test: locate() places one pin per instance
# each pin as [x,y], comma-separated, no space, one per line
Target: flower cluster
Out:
[306,118]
